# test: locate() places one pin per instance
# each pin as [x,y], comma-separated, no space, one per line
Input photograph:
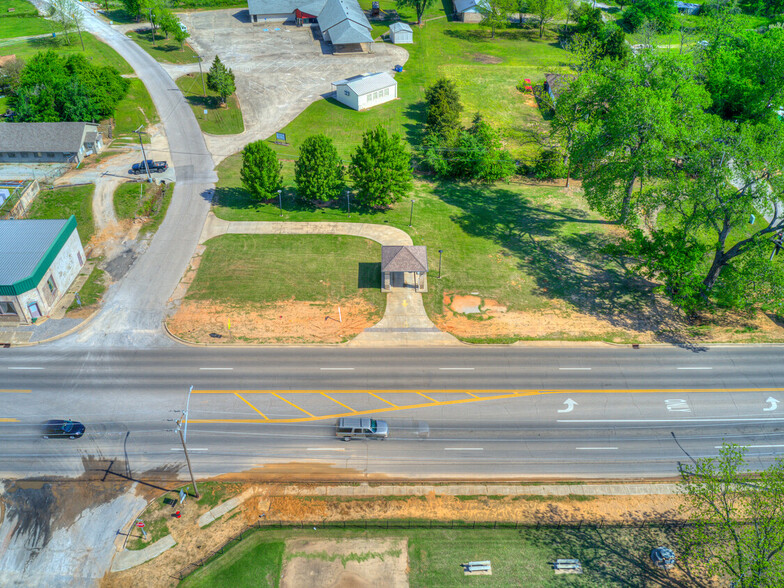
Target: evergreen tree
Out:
[260,172]
[318,172]
[380,168]
[443,109]
[220,79]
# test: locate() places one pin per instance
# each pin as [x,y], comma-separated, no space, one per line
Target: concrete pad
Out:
[128,559]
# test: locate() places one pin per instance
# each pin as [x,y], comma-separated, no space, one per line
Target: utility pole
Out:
[201,73]
[139,132]
[348,200]
[152,29]
[411,217]
[182,429]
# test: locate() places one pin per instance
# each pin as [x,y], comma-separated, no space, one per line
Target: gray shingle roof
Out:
[400,27]
[272,6]
[557,83]
[367,83]
[64,137]
[349,32]
[24,243]
[404,258]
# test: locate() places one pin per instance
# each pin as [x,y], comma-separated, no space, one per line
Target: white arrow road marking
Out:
[570,404]
[774,404]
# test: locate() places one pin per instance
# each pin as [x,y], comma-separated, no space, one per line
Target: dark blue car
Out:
[62,429]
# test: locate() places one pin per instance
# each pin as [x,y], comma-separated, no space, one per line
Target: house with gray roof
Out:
[401,33]
[365,91]
[63,142]
[403,266]
[342,22]
[39,262]
[555,84]
[469,10]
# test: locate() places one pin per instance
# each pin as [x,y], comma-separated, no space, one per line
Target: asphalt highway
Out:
[473,412]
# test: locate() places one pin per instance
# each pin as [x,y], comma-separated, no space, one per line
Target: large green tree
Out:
[443,108]
[478,154]
[736,520]
[318,171]
[495,14]
[418,5]
[545,11]
[380,169]
[260,171]
[660,13]
[220,79]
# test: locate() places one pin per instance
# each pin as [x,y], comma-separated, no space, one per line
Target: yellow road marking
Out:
[503,391]
[8,420]
[338,401]
[382,399]
[249,404]
[15,391]
[292,404]
[428,397]
[474,395]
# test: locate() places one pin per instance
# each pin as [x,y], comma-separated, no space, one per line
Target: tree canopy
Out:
[318,171]
[418,5]
[380,168]
[220,79]
[260,171]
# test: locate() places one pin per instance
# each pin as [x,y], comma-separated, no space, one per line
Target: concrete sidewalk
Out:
[364,489]
[405,321]
[128,559]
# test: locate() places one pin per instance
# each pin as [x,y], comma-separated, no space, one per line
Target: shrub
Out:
[260,172]
[549,165]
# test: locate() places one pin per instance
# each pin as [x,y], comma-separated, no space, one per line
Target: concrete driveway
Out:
[278,73]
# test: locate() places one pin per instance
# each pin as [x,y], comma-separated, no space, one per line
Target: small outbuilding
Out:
[469,10]
[555,84]
[401,33]
[403,266]
[688,8]
[40,261]
[366,91]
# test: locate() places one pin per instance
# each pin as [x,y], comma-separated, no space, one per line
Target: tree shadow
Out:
[484,35]
[567,255]
[369,275]
[415,115]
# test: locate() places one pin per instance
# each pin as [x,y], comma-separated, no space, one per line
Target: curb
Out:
[70,331]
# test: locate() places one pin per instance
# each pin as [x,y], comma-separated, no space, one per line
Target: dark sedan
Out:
[60,429]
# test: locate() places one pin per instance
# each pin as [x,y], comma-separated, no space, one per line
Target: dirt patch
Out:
[282,322]
[345,563]
[488,59]
[562,322]
[466,304]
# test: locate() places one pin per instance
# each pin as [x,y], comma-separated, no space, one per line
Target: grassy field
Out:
[486,71]
[98,52]
[270,268]
[64,202]
[92,290]
[23,21]
[163,50]
[141,199]
[610,557]
[135,109]
[521,244]
[218,120]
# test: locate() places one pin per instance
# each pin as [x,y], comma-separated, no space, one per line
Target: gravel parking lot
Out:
[278,72]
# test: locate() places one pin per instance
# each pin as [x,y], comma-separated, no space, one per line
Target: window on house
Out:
[51,285]
[50,154]
[346,92]
[38,154]
[7,308]
[12,155]
[79,257]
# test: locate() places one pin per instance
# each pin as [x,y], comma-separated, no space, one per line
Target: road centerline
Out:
[216,369]
[595,448]
[464,448]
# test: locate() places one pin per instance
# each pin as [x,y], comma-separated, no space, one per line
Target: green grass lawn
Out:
[135,109]
[271,268]
[486,71]
[92,290]
[610,556]
[155,529]
[23,26]
[99,53]
[64,202]
[163,50]
[521,244]
[218,120]
[21,7]
[142,199]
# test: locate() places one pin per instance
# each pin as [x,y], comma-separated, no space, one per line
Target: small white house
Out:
[401,33]
[366,91]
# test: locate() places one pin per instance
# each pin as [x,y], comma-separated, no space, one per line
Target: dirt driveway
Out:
[278,72]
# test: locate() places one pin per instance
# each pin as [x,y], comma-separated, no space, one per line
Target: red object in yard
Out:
[140,525]
[177,514]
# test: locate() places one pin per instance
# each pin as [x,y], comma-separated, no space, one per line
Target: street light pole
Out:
[411,217]
[201,73]
[139,132]
[280,201]
[440,251]
[152,29]
[348,199]
[182,429]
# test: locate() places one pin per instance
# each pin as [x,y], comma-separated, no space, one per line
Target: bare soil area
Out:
[345,563]
[281,322]
[495,321]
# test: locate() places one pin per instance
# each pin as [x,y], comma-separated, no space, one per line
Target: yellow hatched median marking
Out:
[338,401]
[292,404]
[249,404]
[382,399]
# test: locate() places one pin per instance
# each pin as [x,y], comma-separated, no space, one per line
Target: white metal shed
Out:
[366,91]
[401,33]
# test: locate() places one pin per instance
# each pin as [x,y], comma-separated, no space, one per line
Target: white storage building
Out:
[366,91]
[401,33]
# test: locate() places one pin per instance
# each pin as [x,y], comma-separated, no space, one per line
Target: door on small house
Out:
[35,312]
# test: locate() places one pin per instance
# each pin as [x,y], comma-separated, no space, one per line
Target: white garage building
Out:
[40,261]
[401,33]
[366,91]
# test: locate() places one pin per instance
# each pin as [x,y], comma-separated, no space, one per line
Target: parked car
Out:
[183,28]
[357,428]
[62,429]
[153,166]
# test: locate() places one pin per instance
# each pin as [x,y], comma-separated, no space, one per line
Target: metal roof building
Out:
[365,91]
[41,259]
[401,33]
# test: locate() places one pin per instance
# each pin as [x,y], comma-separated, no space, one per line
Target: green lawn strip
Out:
[517,243]
[213,493]
[64,202]
[611,556]
[271,268]
[252,562]
[218,120]
[163,50]
[99,53]
[92,290]
[183,5]
[156,529]
[21,8]
[23,26]
[142,199]
[487,71]
[134,110]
